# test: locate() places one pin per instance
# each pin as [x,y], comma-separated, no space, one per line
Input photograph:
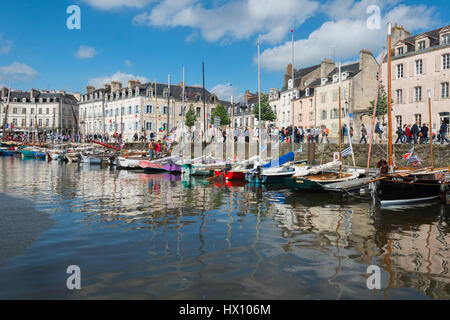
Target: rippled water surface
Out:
[143,236]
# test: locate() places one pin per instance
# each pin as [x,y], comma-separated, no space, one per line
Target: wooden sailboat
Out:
[406,186]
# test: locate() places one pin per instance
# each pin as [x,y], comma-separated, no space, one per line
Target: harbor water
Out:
[160,236]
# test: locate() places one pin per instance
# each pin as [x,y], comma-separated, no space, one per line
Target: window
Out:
[446,39]
[418,118]
[300,117]
[47,111]
[335,114]
[148,125]
[14,110]
[400,71]
[40,110]
[54,110]
[446,61]
[444,90]
[421,45]
[31,122]
[398,119]
[400,51]
[324,114]
[130,110]
[15,122]
[418,93]
[40,122]
[137,109]
[23,122]
[24,111]
[335,95]
[311,116]
[165,94]
[47,122]
[323,98]
[418,67]
[149,109]
[399,95]
[32,111]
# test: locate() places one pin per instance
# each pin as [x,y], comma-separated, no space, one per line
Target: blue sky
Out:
[149,39]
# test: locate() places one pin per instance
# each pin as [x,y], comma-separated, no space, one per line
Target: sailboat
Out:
[404,185]
[272,172]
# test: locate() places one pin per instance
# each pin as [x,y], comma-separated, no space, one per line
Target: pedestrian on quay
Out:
[363,134]
[151,149]
[316,134]
[443,132]
[423,134]
[158,149]
[351,133]
[399,133]
[344,133]
[379,131]
[408,135]
[415,131]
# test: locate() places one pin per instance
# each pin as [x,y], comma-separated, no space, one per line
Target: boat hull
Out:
[156,167]
[231,175]
[303,184]
[406,190]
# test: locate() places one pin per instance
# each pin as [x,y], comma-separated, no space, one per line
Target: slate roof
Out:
[19,95]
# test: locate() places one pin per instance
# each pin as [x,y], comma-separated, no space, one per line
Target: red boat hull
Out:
[231,175]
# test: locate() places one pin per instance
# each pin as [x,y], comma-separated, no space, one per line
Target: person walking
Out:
[443,132]
[363,134]
[423,134]
[399,135]
[151,149]
[324,134]
[415,131]
[379,131]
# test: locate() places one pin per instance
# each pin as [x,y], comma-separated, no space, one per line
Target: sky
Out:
[150,39]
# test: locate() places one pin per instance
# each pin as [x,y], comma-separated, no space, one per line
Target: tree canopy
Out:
[190,117]
[267,113]
[222,113]
[382,103]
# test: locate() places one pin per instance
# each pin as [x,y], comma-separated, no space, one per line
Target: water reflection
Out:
[162,236]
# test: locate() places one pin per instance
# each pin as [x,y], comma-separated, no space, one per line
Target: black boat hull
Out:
[403,190]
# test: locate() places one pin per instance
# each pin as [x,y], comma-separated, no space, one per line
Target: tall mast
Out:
[6,113]
[390,162]
[183,108]
[431,130]
[293,89]
[259,103]
[232,129]
[168,107]
[204,107]
[340,122]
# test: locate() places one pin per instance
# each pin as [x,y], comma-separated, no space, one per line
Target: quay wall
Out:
[324,152]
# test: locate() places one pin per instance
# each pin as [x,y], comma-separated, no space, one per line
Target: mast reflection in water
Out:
[144,236]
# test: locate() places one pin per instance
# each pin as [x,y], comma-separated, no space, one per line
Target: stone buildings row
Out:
[420,64]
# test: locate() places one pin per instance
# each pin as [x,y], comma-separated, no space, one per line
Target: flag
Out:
[408,155]
[347,151]
[415,161]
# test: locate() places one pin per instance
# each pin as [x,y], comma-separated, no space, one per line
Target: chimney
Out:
[398,34]
[115,85]
[77,96]
[132,84]
[33,93]
[4,92]
[326,66]
[288,75]
[90,89]
[364,57]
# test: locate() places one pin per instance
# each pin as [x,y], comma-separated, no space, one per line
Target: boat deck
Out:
[350,185]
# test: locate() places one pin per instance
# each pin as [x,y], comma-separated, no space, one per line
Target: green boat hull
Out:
[303,184]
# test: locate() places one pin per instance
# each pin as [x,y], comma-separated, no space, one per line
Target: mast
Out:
[183,113]
[390,162]
[259,111]
[6,113]
[340,124]
[204,107]
[292,70]
[168,107]
[431,130]
[232,130]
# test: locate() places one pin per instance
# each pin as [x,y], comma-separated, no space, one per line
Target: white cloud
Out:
[271,20]
[118,76]
[344,37]
[128,63]
[117,4]
[5,45]
[225,91]
[85,52]
[17,71]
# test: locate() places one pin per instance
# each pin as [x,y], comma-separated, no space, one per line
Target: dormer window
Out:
[165,94]
[307,92]
[400,51]
[445,39]
[323,81]
[344,75]
[421,45]
[335,78]
[15,100]
[41,100]
[136,92]
[24,99]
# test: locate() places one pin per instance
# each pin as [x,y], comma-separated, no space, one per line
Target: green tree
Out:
[382,103]
[267,113]
[190,117]
[222,113]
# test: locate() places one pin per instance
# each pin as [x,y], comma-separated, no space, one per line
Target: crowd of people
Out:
[418,133]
